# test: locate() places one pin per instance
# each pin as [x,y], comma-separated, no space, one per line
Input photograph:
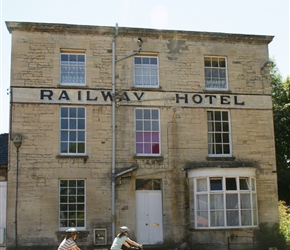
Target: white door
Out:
[149,216]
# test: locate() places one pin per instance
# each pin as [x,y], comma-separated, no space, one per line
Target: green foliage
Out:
[284,220]
[268,237]
[281,112]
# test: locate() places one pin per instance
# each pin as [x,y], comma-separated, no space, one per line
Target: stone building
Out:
[167,132]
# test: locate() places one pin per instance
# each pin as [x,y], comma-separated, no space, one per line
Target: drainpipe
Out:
[114,61]
[113,129]
[126,171]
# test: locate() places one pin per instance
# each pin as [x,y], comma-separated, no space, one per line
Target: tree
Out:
[281,112]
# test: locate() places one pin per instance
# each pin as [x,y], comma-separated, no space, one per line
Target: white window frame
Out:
[215,73]
[148,125]
[67,205]
[208,209]
[72,73]
[67,130]
[217,139]
[145,72]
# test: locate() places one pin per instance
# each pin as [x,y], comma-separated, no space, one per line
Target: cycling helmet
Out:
[124,229]
[72,231]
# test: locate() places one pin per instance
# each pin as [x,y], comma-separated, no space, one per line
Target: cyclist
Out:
[122,238]
[69,241]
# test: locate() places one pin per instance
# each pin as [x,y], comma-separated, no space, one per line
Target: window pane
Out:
[81,124]
[246,217]
[155,114]
[245,201]
[155,125]
[217,218]
[147,125]
[202,203]
[155,137]
[207,61]
[253,184]
[202,219]
[244,184]
[233,218]
[145,60]
[147,114]
[64,147]
[232,201]
[81,147]
[201,185]
[216,201]
[153,60]
[216,184]
[139,148]
[222,62]
[139,137]
[139,125]
[147,137]
[231,184]
[137,60]
[147,148]
[155,148]
[207,73]
[64,112]
[215,62]
[64,136]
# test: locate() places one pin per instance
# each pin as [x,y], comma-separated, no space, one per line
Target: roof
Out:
[127,31]
[4,149]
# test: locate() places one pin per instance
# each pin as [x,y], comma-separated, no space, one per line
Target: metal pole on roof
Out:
[114,129]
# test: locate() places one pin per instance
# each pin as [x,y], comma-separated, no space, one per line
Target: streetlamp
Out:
[17,141]
[115,99]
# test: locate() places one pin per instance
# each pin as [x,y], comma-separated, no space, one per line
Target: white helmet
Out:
[72,231]
[124,229]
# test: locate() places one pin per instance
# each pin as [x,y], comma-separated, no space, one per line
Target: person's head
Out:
[71,233]
[124,231]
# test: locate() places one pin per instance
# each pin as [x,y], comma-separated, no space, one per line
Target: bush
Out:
[270,237]
[284,220]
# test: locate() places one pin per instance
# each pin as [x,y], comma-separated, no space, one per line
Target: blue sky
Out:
[260,17]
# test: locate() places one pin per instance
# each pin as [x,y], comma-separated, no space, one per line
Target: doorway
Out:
[149,221]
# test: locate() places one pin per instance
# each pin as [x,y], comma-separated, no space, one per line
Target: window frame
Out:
[70,131]
[212,142]
[142,68]
[224,174]
[71,204]
[219,69]
[145,131]
[71,52]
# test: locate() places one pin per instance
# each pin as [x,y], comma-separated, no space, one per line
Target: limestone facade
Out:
[184,160]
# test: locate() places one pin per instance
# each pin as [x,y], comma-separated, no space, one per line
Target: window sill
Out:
[82,235]
[147,89]
[213,158]
[72,86]
[221,91]
[149,157]
[223,229]
[84,157]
